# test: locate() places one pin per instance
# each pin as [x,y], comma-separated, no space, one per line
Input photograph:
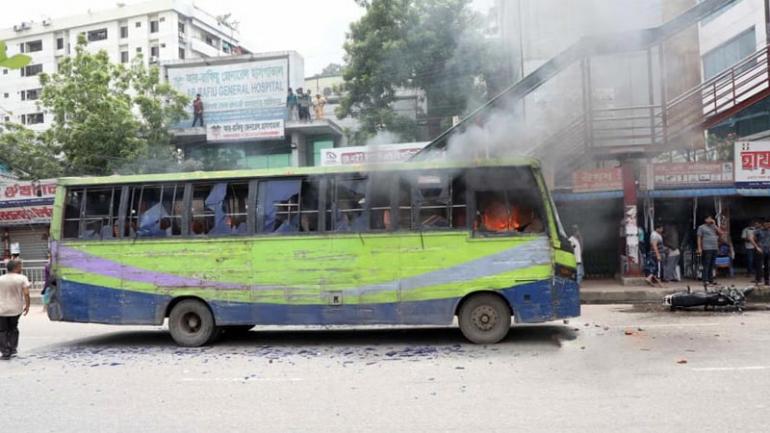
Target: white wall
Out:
[740,17]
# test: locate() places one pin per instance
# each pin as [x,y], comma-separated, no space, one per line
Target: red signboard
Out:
[598,179]
[27,202]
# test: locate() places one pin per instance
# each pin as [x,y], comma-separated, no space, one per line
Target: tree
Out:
[433,45]
[109,118]
[332,69]
[15,62]
[29,155]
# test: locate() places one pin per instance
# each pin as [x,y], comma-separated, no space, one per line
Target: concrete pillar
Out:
[298,150]
[629,231]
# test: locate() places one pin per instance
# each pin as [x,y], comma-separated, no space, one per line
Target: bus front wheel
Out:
[485,318]
[191,323]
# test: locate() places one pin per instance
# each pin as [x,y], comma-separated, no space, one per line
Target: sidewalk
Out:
[613,292]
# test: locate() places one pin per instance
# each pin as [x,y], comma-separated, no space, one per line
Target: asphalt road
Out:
[616,369]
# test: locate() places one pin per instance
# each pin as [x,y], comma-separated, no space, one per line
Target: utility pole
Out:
[767,22]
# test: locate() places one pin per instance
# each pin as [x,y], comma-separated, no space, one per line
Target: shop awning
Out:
[691,192]
[585,196]
[754,192]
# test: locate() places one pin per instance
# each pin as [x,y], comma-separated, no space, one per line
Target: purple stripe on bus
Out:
[71,257]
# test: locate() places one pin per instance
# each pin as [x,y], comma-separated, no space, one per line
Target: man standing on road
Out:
[761,242]
[197,110]
[748,246]
[708,245]
[671,243]
[14,301]
[657,250]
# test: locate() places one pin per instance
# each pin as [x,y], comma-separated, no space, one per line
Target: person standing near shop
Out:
[657,250]
[14,301]
[761,242]
[748,247]
[291,105]
[671,243]
[577,247]
[708,244]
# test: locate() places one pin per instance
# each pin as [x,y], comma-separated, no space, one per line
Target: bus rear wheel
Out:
[191,324]
[485,319]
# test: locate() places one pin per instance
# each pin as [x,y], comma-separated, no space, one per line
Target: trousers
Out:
[9,334]
[762,267]
[709,257]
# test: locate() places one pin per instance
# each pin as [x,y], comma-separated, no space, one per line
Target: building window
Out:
[33,46]
[138,24]
[32,119]
[31,70]
[139,50]
[181,27]
[59,43]
[718,12]
[181,53]
[124,57]
[123,32]
[97,35]
[153,27]
[210,40]
[5,95]
[729,53]
[30,95]
[162,19]
[5,71]
[154,52]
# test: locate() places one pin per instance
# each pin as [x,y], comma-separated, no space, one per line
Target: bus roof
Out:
[296,171]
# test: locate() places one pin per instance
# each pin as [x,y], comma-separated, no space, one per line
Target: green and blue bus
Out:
[417,243]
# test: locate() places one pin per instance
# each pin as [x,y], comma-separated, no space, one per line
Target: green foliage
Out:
[433,45]
[15,62]
[108,118]
[28,154]
[332,69]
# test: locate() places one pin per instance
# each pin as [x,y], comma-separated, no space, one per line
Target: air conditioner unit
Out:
[181,35]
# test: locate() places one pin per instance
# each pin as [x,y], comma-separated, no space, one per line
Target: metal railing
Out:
[34,270]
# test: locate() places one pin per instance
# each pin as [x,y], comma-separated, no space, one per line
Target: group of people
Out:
[300,103]
[712,245]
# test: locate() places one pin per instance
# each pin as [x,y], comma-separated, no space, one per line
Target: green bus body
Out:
[325,277]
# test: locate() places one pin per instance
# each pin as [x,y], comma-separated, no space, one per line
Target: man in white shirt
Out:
[578,250]
[14,301]
[747,235]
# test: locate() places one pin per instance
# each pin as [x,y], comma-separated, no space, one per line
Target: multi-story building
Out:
[734,33]
[158,30]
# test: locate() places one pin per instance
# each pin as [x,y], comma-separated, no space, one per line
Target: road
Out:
[616,369]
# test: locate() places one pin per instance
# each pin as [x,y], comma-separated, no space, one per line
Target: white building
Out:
[158,30]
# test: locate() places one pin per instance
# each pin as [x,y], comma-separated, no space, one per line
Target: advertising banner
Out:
[241,101]
[27,202]
[598,179]
[369,154]
[752,164]
[690,174]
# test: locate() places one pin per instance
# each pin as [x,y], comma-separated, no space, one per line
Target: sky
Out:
[314,28]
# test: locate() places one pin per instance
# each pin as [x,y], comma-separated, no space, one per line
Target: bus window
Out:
[101,213]
[219,209]
[432,197]
[404,205]
[378,201]
[459,204]
[308,203]
[155,210]
[280,202]
[71,229]
[350,202]
[507,201]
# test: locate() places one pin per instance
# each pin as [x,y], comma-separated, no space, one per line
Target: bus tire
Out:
[485,318]
[191,324]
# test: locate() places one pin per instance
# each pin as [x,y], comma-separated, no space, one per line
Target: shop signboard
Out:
[370,154]
[692,174]
[26,202]
[241,101]
[752,164]
[597,180]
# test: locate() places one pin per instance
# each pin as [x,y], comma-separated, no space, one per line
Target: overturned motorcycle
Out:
[721,297]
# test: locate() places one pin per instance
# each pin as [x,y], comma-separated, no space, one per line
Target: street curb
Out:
[760,294]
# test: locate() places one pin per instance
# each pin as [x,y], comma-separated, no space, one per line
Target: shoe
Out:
[5,358]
